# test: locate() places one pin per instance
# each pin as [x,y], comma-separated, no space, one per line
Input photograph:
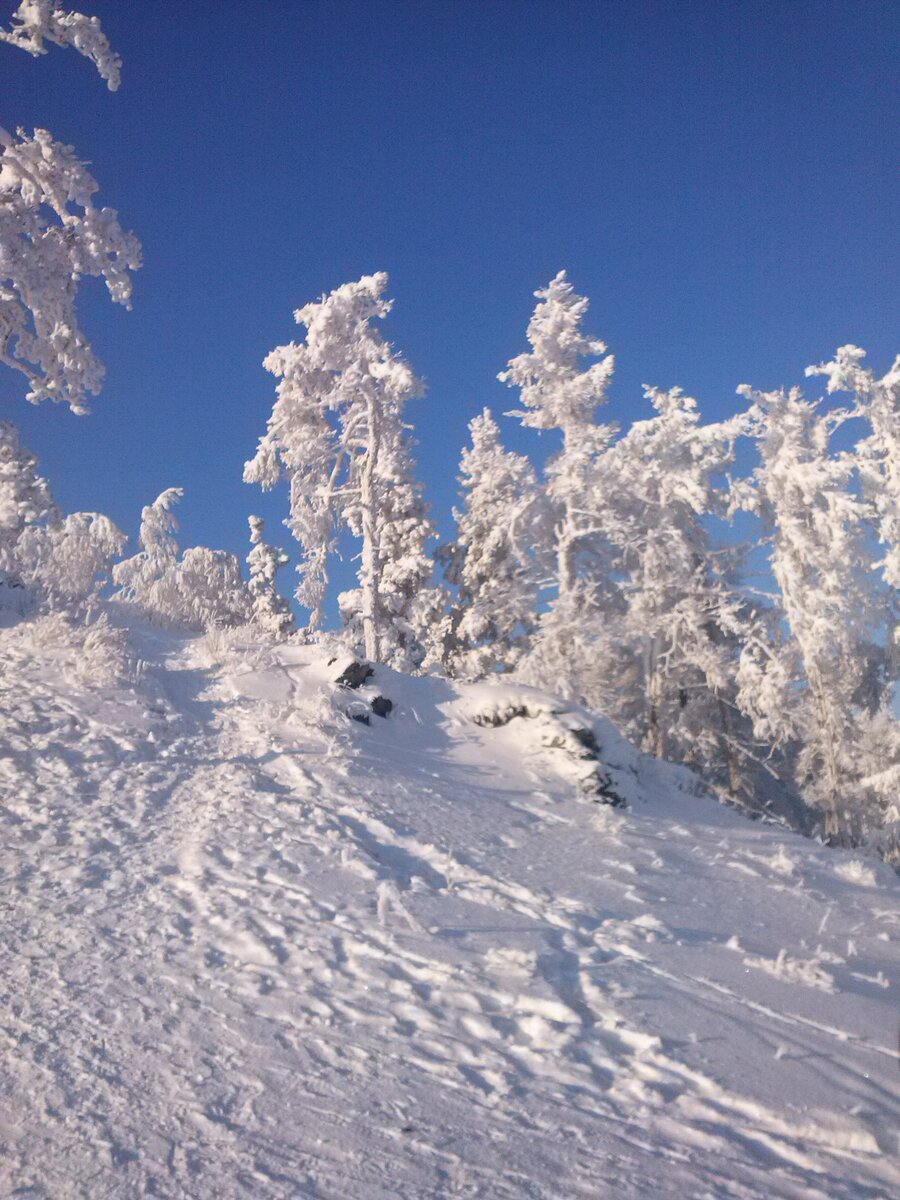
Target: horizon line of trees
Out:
[597,576]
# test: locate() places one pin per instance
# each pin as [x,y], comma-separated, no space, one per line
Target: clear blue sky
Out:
[720,178]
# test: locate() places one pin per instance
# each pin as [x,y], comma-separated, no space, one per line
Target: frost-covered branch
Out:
[38,21]
[51,236]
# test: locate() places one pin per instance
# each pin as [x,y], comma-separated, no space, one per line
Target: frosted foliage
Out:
[676,612]
[556,392]
[336,434]
[51,236]
[148,579]
[406,608]
[61,561]
[24,495]
[878,454]
[38,21]
[271,610]
[825,684]
[203,588]
[492,562]
[68,562]
[211,589]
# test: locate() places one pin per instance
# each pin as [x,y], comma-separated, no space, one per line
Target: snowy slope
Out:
[254,948]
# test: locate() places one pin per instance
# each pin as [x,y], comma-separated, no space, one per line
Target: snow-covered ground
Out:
[253,948]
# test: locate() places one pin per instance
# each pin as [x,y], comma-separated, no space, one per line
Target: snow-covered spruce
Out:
[559,393]
[337,435]
[492,561]
[271,610]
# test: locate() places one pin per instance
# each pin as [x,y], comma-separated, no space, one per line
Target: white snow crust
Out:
[255,948]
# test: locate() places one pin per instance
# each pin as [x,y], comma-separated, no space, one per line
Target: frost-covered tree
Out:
[877,458]
[68,561]
[492,563]
[337,435]
[877,454]
[202,588]
[211,589]
[408,606]
[679,611]
[821,685]
[271,610]
[60,561]
[25,497]
[148,579]
[52,234]
[559,393]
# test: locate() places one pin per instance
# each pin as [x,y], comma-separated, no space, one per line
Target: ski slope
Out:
[255,948]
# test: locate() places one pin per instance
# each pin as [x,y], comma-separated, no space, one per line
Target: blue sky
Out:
[719,178]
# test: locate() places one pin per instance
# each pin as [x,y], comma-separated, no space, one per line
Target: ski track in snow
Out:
[250,952]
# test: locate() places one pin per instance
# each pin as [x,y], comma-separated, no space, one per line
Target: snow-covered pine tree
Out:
[51,233]
[820,685]
[336,433]
[492,563]
[271,610]
[558,393]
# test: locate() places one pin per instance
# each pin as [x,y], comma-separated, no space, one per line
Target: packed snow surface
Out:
[253,947]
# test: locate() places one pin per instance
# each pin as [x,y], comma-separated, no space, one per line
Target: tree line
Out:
[597,576]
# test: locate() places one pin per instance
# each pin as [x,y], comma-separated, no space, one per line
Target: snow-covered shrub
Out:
[104,656]
[201,588]
[88,651]
[50,629]
[211,589]
[856,871]
[68,561]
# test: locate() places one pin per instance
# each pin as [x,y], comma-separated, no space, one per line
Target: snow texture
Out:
[253,948]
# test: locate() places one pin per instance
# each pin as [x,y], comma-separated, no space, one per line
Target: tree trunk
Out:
[565,567]
[827,737]
[653,684]
[369,573]
[734,777]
